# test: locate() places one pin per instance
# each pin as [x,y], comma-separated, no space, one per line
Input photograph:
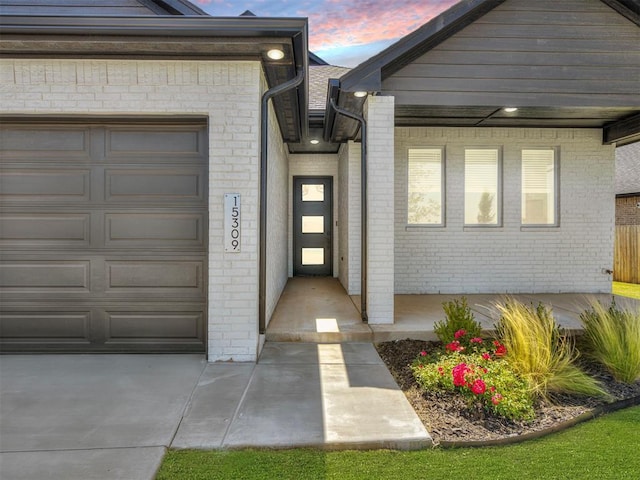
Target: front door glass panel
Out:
[312,225]
[312,192]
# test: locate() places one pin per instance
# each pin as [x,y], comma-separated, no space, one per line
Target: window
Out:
[425,199]
[539,187]
[481,186]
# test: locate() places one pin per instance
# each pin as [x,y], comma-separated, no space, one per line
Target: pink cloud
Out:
[359,22]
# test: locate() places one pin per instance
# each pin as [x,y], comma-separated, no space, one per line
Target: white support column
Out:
[379,114]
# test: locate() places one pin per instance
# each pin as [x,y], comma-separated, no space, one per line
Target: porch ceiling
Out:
[611,119]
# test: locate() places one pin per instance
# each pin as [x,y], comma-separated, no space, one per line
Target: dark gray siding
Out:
[76,7]
[533,53]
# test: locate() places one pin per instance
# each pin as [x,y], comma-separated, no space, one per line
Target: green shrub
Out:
[480,378]
[537,351]
[458,318]
[612,338]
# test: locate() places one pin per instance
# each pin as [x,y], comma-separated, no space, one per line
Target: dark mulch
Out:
[447,418]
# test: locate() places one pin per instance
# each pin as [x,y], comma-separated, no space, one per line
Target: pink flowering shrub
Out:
[481,378]
[475,368]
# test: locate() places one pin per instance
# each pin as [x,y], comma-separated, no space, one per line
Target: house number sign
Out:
[232,222]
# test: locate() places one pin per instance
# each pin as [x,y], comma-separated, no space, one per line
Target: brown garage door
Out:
[103,230]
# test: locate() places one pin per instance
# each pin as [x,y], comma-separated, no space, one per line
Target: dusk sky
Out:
[341,32]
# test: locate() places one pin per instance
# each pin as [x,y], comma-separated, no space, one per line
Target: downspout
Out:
[264,130]
[363,205]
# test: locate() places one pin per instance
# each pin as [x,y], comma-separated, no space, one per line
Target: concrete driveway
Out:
[112,417]
[91,416]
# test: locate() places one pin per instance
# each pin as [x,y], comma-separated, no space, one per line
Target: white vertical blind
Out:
[538,187]
[424,202]
[481,186]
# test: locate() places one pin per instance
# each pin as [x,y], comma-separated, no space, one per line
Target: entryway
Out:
[312,226]
[316,309]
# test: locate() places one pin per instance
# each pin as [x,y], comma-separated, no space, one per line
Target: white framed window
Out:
[539,204]
[425,179]
[482,178]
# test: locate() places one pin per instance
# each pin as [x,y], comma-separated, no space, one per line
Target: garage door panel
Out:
[72,276]
[155,277]
[103,230]
[48,229]
[155,186]
[154,325]
[45,326]
[177,230]
[155,144]
[50,185]
[46,143]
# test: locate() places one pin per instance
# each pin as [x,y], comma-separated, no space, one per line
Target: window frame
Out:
[443,210]
[556,189]
[499,208]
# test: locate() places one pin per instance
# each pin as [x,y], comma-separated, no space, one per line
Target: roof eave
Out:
[187,26]
[161,31]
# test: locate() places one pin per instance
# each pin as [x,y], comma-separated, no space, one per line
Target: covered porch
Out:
[319,310]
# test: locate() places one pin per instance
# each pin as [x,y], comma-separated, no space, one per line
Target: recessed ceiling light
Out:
[510,109]
[359,94]
[314,142]
[275,54]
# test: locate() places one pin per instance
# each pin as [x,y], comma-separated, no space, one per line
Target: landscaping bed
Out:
[447,418]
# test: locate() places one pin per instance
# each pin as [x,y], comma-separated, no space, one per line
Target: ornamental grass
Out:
[539,353]
[612,338]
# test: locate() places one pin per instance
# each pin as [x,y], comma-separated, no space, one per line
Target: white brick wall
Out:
[228,94]
[322,165]
[379,113]
[277,215]
[454,259]
[349,216]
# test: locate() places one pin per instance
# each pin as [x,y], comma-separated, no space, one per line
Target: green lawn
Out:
[627,289]
[605,448]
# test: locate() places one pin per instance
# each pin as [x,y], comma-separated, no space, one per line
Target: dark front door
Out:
[312,225]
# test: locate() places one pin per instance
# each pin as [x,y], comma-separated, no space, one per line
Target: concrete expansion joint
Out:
[236,412]
[187,405]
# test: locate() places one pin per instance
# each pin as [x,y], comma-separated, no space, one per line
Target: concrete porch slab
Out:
[317,310]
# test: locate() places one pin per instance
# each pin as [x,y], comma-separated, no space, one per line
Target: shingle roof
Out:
[318,77]
[628,169]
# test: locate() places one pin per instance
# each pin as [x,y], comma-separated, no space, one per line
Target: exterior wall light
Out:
[275,54]
[360,94]
[510,109]
[314,142]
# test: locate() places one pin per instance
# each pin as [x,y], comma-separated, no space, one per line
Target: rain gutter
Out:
[264,132]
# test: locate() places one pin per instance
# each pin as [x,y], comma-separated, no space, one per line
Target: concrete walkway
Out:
[113,416]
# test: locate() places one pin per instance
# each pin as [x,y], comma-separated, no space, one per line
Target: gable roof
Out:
[368,75]
[628,169]
[431,100]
